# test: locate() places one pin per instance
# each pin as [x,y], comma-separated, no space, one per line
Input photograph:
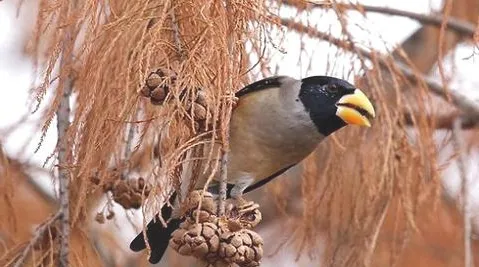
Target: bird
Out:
[277,122]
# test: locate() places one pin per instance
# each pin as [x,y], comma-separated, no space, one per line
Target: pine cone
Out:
[157,85]
[100,218]
[120,187]
[135,200]
[199,112]
[208,205]
[243,247]
[215,239]
[247,215]
[201,98]
[199,107]
[129,193]
[200,240]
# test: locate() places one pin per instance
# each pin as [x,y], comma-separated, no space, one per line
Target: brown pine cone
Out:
[120,187]
[200,240]
[129,193]
[243,247]
[157,85]
[201,98]
[123,199]
[247,215]
[100,218]
[199,112]
[135,200]
[208,207]
[216,239]
[110,215]
[199,106]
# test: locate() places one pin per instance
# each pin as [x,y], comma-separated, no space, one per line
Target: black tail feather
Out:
[158,236]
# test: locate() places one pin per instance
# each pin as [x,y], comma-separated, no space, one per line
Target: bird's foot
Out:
[247,206]
[242,205]
[244,213]
[239,201]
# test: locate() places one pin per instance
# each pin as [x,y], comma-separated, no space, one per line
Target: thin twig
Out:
[461,27]
[461,101]
[63,119]
[379,225]
[38,234]
[457,141]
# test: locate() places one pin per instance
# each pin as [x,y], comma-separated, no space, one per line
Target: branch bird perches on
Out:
[462,102]
[461,27]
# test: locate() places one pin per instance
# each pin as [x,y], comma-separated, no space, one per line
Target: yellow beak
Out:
[355,109]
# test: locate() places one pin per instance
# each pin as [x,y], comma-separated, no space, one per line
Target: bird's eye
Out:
[332,88]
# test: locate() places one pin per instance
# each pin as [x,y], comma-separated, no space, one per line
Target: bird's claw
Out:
[247,207]
[247,215]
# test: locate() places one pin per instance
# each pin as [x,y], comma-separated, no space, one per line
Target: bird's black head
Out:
[333,103]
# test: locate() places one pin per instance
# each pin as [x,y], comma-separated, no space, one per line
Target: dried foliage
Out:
[153,85]
[107,48]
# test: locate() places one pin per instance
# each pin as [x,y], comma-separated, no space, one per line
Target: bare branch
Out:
[223,182]
[461,101]
[457,141]
[461,27]
[444,122]
[63,118]
[225,121]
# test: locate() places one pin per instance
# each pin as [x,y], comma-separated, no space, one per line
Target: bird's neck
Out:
[328,124]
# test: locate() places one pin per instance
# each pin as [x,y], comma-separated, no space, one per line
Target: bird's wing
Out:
[267,179]
[253,186]
[266,83]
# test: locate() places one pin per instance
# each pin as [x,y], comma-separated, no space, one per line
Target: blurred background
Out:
[397,203]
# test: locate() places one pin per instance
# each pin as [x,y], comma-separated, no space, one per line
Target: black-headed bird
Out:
[278,121]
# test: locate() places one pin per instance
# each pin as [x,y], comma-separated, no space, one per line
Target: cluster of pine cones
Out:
[214,239]
[126,192]
[157,87]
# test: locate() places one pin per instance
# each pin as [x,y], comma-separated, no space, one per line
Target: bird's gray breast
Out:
[270,130]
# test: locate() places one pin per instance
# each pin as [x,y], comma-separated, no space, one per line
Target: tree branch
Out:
[226,116]
[461,27]
[223,182]
[465,104]
[446,122]
[63,119]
